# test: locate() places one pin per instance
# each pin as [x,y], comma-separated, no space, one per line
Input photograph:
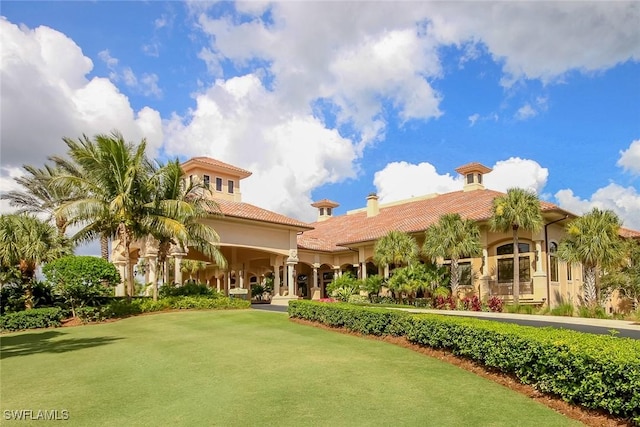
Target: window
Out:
[466,275]
[505,270]
[321,211]
[230,186]
[569,272]
[479,178]
[553,262]
[329,211]
[206,181]
[218,184]
[469,178]
[508,249]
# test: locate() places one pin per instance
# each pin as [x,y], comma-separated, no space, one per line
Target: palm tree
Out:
[116,190]
[396,248]
[518,209]
[26,243]
[39,196]
[187,203]
[452,238]
[593,240]
[193,267]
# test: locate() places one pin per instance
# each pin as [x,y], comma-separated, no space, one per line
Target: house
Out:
[303,258]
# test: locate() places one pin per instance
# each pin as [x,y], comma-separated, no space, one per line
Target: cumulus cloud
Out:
[630,158]
[240,122]
[624,201]
[517,172]
[45,95]
[402,180]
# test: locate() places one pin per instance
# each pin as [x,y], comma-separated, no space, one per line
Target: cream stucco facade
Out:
[303,258]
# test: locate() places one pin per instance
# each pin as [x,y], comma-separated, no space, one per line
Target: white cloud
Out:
[517,172]
[45,95]
[402,180]
[526,112]
[147,84]
[7,184]
[290,153]
[630,158]
[624,201]
[473,119]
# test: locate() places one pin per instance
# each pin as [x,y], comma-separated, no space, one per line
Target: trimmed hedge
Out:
[31,319]
[123,308]
[595,371]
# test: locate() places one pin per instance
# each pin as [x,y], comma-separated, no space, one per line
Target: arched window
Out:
[505,264]
[553,262]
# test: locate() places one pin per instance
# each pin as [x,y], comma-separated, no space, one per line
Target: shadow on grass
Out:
[25,344]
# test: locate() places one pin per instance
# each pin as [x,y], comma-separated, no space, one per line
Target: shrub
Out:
[472,304]
[80,280]
[596,312]
[12,296]
[372,286]
[358,299]
[343,287]
[188,289]
[31,319]
[495,304]
[596,371]
[564,309]
[445,303]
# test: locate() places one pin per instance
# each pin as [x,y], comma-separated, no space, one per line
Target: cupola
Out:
[472,173]
[325,208]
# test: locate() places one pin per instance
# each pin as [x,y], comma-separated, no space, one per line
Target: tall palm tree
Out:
[593,240]
[26,242]
[187,202]
[518,209]
[452,238]
[39,196]
[396,248]
[117,191]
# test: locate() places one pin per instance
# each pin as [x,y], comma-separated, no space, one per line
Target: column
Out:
[276,280]
[539,257]
[358,268]
[217,283]
[178,269]
[363,269]
[122,270]
[290,278]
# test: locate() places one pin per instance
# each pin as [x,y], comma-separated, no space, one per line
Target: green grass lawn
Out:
[243,368]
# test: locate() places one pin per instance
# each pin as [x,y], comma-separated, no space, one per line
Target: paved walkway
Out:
[593,326]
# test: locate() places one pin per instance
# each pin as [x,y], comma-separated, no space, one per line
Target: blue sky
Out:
[339,99]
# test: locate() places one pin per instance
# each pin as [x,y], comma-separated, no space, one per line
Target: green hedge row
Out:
[30,319]
[596,371]
[123,308]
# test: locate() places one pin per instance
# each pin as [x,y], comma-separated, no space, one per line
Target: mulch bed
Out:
[587,416]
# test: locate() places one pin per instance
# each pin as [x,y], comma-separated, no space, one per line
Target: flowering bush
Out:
[495,304]
[328,300]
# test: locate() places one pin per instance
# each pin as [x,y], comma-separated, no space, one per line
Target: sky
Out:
[337,100]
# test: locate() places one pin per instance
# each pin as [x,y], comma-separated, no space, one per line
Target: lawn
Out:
[243,368]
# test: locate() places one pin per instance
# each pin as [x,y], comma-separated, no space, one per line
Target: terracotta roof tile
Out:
[248,211]
[217,163]
[325,203]
[413,216]
[628,233]
[471,167]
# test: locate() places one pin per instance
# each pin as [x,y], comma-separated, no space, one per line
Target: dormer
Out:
[222,179]
[472,173]
[325,208]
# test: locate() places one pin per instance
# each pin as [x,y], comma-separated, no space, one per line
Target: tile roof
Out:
[325,203]
[336,233]
[247,211]
[628,233]
[217,163]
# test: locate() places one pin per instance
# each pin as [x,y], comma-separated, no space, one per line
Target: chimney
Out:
[373,208]
[472,173]
[325,208]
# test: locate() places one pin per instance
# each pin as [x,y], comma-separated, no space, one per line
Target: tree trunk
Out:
[104,247]
[516,266]
[26,276]
[589,288]
[455,278]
